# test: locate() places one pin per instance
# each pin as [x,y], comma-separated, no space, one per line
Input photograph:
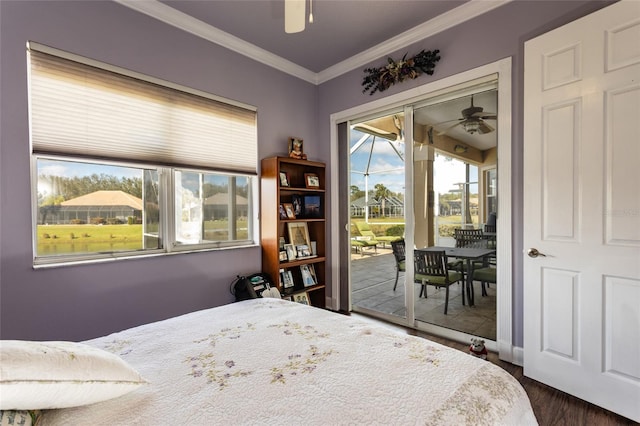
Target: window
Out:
[125,165]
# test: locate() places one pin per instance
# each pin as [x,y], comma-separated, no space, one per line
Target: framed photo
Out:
[283,256]
[291,251]
[296,149]
[308,279]
[311,180]
[298,207]
[299,234]
[286,278]
[312,271]
[312,207]
[284,179]
[303,251]
[301,298]
[283,212]
[288,208]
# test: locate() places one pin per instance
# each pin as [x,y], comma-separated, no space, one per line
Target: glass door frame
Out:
[414,96]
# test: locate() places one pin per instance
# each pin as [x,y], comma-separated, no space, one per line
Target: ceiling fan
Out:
[472,120]
[294,15]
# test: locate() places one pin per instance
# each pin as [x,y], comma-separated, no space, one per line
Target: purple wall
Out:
[493,36]
[80,302]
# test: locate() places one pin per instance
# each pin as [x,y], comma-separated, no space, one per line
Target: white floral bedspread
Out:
[270,361]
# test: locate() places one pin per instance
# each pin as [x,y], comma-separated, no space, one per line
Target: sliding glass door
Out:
[453,162]
[377,214]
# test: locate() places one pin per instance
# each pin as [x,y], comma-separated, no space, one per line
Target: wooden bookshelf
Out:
[308,204]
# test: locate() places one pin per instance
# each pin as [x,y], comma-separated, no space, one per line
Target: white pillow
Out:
[41,375]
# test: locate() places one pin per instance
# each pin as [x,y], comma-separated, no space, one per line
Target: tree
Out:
[77,186]
[381,194]
[49,204]
[356,193]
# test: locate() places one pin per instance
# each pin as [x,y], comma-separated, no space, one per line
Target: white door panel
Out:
[582,208]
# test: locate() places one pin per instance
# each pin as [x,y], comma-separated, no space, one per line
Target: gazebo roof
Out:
[105,198]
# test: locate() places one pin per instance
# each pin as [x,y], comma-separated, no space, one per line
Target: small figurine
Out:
[478,349]
[295,149]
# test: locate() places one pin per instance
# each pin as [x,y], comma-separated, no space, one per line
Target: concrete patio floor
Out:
[372,279]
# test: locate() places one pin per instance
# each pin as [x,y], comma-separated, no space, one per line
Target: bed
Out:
[271,361]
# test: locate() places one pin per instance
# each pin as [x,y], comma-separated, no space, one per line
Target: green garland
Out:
[380,79]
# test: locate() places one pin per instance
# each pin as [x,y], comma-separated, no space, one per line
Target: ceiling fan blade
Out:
[294,16]
[485,115]
[484,128]
[442,132]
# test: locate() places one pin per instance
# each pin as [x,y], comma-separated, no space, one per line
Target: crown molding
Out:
[460,14]
[188,23]
[171,16]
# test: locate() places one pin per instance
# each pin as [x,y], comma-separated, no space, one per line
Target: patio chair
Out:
[399,254]
[485,275]
[431,269]
[365,230]
[360,241]
[467,238]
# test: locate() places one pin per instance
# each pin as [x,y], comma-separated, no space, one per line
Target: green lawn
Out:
[65,239]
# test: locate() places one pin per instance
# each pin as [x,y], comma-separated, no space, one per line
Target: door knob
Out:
[533,252]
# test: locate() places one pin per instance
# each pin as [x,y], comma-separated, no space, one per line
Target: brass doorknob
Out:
[533,252]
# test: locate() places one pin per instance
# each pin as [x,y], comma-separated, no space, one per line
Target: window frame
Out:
[165,168]
[166,226]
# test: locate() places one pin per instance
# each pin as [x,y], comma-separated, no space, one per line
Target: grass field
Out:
[65,239]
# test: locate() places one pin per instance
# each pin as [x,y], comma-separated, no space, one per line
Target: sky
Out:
[387,167]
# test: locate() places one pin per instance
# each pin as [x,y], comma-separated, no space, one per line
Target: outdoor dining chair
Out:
[399,254]
[431,269]
[485,275]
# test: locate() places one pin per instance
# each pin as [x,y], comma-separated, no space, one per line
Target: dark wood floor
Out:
[551,406]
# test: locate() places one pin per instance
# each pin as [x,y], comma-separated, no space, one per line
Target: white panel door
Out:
[582,208]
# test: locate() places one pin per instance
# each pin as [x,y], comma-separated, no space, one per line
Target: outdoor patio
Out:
[373,276]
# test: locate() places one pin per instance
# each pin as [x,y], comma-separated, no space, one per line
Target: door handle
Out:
[533,252]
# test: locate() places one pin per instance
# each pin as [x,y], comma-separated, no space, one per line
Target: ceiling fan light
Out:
[471,126]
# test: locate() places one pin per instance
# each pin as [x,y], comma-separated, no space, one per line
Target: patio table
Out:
[468,254]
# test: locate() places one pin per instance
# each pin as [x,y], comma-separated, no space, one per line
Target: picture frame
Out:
[283,256]
[312,207]
[303,251]
[286,278]
[282,212]
[308,279]
[299,234]
[301,298]
[288,208]
[298,206]
[284,179]
[312,271]
[291,252]
[311,180]
[296,149]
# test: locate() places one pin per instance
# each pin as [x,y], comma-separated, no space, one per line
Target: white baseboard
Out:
[509,353]
[518,356]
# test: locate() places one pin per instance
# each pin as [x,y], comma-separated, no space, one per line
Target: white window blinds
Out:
[85,110]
